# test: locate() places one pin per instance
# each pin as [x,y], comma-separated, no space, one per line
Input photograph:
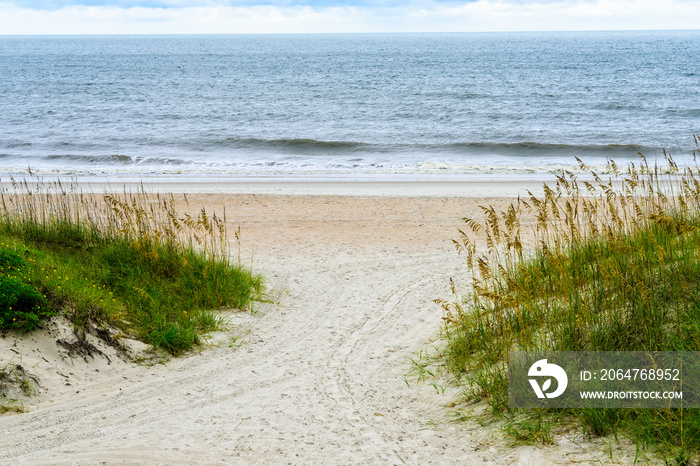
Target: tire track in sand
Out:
[318,380]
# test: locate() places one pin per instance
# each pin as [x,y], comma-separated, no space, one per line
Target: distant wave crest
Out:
[320,147]
[113,159]
[293,145]
[537,148]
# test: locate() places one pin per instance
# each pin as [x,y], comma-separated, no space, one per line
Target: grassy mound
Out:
[616,267]
[128,260]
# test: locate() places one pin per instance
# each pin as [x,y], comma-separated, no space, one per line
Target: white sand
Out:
[316,377]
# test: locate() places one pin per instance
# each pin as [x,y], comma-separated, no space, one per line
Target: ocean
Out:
[346,106]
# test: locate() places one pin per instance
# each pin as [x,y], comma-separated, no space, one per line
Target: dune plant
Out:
[128,259]
[22,306]
[614,266]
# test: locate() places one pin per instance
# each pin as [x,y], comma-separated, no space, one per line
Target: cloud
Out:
[52,5]
[289,16]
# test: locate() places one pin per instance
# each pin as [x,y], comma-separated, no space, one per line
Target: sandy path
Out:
[316,378]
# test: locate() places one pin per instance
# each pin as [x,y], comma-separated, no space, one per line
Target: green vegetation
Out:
[615,267]
[129,260]
[21,305]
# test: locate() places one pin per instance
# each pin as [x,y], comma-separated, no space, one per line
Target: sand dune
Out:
[317,376]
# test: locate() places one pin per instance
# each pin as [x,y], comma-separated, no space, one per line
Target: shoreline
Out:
[384,188]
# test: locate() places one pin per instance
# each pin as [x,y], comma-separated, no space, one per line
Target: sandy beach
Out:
[344,144]
[318,375]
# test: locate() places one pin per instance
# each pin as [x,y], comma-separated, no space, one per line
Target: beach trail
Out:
[317,376]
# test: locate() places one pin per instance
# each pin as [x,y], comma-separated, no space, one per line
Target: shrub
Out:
[22,307]
[11,260]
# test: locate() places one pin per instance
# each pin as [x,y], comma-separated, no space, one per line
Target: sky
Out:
[323,16]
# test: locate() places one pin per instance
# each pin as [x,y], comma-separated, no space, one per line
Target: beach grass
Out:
[127,260]
[615,266]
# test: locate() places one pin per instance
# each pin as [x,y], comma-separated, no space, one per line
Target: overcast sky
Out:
[268,16]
